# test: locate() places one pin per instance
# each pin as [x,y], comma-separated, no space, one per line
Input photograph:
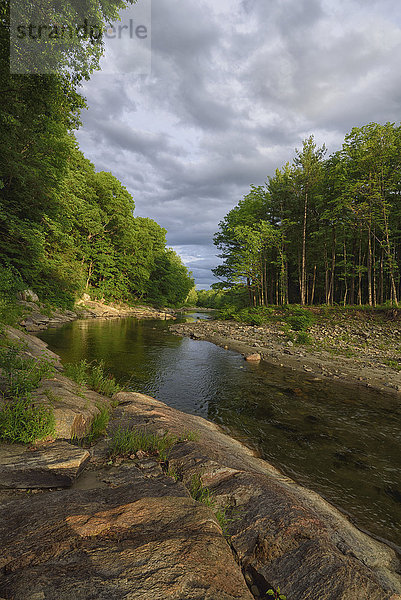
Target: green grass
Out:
[303,337]
[174,473]
[22,421]
[22,374]
[98,427]
[94,376]
[126,442]
[394,364]
[202,494]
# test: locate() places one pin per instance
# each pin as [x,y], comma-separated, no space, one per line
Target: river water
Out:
[344,443]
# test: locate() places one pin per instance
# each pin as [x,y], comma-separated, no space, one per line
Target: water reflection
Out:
[344,443]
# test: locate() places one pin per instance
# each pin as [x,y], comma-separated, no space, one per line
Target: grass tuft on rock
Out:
[94,376]
[23,420]
[126,442]
[22,374]
[202,494]
[98,427]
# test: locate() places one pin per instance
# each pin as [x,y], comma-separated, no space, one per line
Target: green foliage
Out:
[129,441]
[98,426]
[276,594]
[192,298]
[24,421]
[321,231]
[64,228]
[202,494]
[254,316]
[251,316]
[22,374]
[221,299]
[303,337]
[170,283]
[300,319]
[93,375]
[10,284]
[228,313]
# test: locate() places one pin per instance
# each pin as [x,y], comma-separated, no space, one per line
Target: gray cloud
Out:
[235,87]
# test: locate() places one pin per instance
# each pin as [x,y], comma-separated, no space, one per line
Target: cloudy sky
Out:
[234,87]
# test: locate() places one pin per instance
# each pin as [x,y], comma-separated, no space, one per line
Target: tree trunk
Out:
[89,274]
[303,266]
[345,274]
[369,265]
[313,286]
[333,268]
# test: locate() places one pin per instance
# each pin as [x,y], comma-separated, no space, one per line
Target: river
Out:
[344,443]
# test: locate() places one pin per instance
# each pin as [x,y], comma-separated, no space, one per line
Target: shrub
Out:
[228,313]
[10,284]
[251,315]
[300,319]
[303,337]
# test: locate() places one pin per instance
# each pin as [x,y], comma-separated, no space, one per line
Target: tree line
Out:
[64,228]
[322,229]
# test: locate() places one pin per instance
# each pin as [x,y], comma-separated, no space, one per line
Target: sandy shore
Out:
[360,351]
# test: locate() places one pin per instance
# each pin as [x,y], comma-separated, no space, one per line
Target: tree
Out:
[336,226]
[307,177]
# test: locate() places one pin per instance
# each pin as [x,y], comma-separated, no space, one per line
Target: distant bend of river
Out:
[343,443]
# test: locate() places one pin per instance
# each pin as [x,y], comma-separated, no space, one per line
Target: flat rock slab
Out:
[52,466]
[283,534]
[34,347]
[115,544]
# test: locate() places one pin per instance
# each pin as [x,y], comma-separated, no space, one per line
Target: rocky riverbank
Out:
[35,319]
[77,523]
[358,351]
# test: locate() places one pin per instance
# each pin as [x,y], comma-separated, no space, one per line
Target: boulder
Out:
[253,357]
[124,543]
[74,407]
[33,346]
[28,296]
[49,466]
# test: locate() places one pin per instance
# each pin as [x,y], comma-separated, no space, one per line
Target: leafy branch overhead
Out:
[64,228]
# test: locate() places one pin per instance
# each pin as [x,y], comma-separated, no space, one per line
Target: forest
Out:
[66,229]
[322,230]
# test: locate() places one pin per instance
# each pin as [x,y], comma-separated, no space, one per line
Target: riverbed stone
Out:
[47,466]
[256,357]
[120,544]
